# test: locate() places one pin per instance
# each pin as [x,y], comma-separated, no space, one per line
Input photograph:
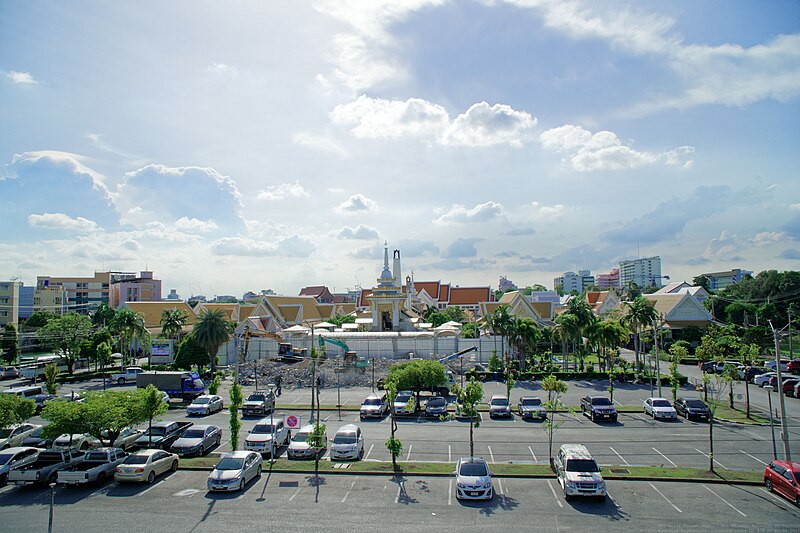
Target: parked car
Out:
[375,405]
[299,447]
[794,367]
[162,434]
[530,407]
[405,403]
[762,379]
[788,386]
[499,406]
[126,439]
[720,365]
[145,465]
[45,468]
[36,440]
[17,457]
[797,390]
[598,408]
[234,471]
[435,407]
[8,372]
[197,440]
[783,477]
[76,441]
[41,399]
[127,376]
[205,405]
[773,382]
[473,479]
[259,403]
[267,436]
[12,436]
[96,467]
[660,408]
[771,364]
[578,472]
[707,366]
[692,408]
[750,372]
[348,443]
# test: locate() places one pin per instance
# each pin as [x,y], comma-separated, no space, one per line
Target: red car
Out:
[788,386]
[794,366]
[783,477]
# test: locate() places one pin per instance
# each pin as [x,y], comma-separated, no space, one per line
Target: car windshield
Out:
[201,401]
[300,437]
[473,469]
[5,433]
[499,401]
[136,460]
[156,431]
[601,401]
[230,463]
[661,403]
[263,428]
[372,401]
[436,402]
[695,403]
[403,398]
[531,402]
[6,457]
[256,398]
[347,438]
[581,465]
[194,434]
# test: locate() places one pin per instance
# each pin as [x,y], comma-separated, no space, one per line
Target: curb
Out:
[727,421]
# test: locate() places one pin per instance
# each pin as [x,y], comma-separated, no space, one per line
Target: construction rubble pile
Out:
[298,375]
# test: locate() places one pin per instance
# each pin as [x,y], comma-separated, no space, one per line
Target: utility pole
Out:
[655,346]
[784,433]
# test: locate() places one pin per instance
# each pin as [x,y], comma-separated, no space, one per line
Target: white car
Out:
[578,473]
[660,408]
[13,458]
[80,441]
[205,405]
[145,465]
[234,471]
[405,403]
[14,435]
[299,447]
[763,379]
[473,479]
[770,364]
[260,438]
[348,443]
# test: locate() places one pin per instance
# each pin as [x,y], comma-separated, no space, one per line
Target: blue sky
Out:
[244,145]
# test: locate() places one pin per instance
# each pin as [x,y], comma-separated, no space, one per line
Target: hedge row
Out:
[568,376]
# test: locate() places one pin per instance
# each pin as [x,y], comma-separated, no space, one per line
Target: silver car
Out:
[234,470]
[299,447]
[348,443]
[13,458]
[499,406]
[145,465]
[205,405]
[14,435]
[197,440]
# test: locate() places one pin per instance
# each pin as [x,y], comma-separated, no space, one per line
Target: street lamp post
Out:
[784,432]
[52,503]
[771,422]
[655,346]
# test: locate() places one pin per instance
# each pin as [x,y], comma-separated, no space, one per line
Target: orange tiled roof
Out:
[469,295]
[444,292]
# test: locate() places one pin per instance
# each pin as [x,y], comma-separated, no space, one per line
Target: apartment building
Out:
[608,281]
[9,303]
[644,272]
[128,287]
[720,280]
[571,281]
[82,294]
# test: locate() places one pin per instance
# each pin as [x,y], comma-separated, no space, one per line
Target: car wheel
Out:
[101,478]
[219,439]
[151,477]
[121,381]
[84,445]
[241,485]
[591,417]
[174,466]
[361,454]
[768,485]
[258,471]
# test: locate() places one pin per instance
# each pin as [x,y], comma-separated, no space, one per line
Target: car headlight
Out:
[570,484]
[602,485]
[461,485]
[487,485]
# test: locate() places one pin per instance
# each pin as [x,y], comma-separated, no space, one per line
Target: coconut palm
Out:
[128,326]
[523,335]
[501,324]
[567,330]
[638,315]
[172,323]
[212,331]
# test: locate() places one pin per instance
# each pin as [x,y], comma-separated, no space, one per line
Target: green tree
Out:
[150,404]
[748,353]
[212,331]
[677,352]
[639,314]
[343,319]
[106,414]
[14,409]
[9,345]
[190,352]
[66,333]
[470,396]
[524,335]
[317,440]
[215,384]
[437,319]
[393,444]
[510,381]
[554,388]
[51,378]
[455,314]
[127,326]
[236,403]
[172,323]
[469,331]
[103,353]
[63,417]
[38,319]
[702,281]
[495,363]
[418,375]
[103,316]
[501,323]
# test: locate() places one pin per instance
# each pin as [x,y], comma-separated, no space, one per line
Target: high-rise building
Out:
[608,281]
[570,281]
[720,280]
[9,303]
[644,272]
[82,294]
[506,284]
[127,287]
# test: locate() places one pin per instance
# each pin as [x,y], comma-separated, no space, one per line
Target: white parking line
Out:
[618,455]
[151,487]
[706,456]
[295,494]
[500,486]
[780,500]
[640,417]
[326,418]
[369,452]
[558,501]
[490,453]
[104,488]
[399,491]
[295,401]
[408,456]
[348,492]
[533,454]
[665,457]
[450,492]
[449,454]
[662,495]
[756,458]
[724,500]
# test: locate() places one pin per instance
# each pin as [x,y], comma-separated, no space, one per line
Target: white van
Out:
[25,392]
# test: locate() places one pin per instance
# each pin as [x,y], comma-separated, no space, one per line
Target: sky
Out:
[246,145]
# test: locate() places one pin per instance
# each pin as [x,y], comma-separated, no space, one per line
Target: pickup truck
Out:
[598,408]
[127,376]
[45,468]
[96,467]
[163,435]
[259,403]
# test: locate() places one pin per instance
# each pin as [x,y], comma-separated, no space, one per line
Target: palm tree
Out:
[567,330]
[128,325]
[524,335]
[501,323]
[172,324]
[212,331]
[639,314]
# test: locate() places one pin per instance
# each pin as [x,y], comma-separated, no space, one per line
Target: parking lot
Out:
[179,502]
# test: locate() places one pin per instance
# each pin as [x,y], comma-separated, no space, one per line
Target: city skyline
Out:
[282,145]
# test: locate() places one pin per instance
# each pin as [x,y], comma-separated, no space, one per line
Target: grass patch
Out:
[723,410]
[686,473]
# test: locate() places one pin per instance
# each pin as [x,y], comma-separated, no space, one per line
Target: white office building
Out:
[645,272]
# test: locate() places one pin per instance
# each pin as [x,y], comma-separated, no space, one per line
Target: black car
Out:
[692,408]
[751,372]
[35,440]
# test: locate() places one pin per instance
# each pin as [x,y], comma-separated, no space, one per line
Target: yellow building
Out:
[9,303]
[83,294]
[53,299]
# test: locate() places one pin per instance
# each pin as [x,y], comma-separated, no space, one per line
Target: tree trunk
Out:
[471,445]
[730,394]
[747,396]
[711,442]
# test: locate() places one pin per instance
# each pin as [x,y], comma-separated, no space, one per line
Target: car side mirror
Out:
[455,471]
[491,473]
[599,468]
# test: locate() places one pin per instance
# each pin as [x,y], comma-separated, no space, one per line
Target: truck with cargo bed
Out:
[96,467]
[162,434]
[185,385]
[46,467]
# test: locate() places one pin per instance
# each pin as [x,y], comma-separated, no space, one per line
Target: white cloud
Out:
[320,143]
[548,211]
[283,191]
[360,232]
[60,221]
[21,78]
[794,207]
[462,247]
[768,237]
[357,203]
[194,225]
[221,69]
[293,246]
[480,125]
[723,246]
[604,151]
[480,213]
